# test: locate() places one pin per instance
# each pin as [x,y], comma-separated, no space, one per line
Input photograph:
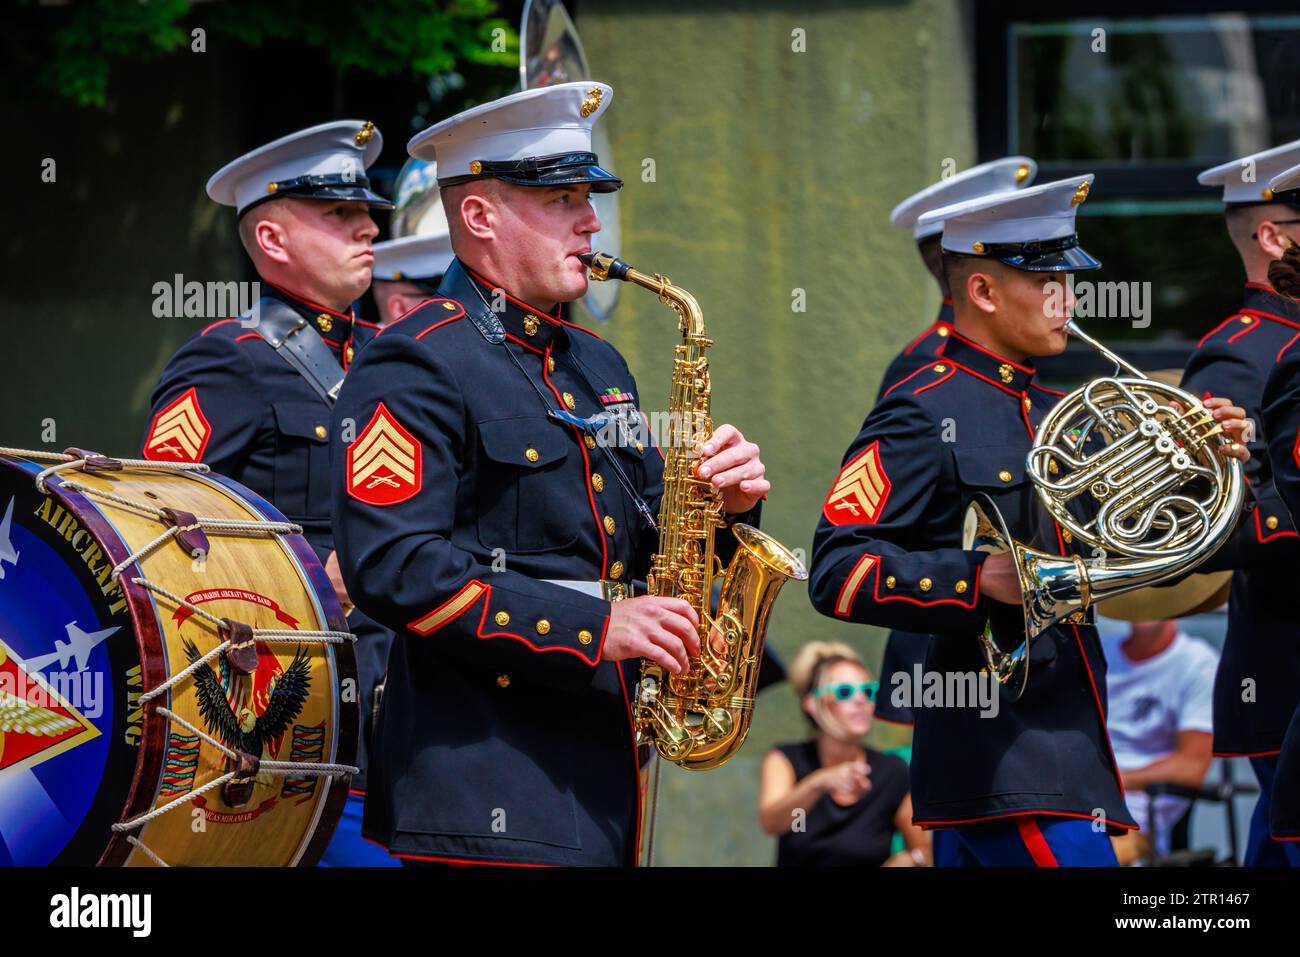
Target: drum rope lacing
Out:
[221,525]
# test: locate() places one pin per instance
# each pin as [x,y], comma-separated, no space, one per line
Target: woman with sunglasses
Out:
[831,800]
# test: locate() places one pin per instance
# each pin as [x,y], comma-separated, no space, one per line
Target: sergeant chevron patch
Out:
[859,494]
[180,432]
[384,462]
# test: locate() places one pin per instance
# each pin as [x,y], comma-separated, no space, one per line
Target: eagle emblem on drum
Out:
[245,729]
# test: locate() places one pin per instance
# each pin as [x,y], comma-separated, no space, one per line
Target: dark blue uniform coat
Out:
[887,552]
[504,736]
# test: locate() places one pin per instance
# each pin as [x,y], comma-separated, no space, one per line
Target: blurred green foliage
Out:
[76,45]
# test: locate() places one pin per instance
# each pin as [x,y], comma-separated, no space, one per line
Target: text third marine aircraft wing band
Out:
[451,589]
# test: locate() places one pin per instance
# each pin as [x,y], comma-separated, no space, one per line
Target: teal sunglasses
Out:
[846,690]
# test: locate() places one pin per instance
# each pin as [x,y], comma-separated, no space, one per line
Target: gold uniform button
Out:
[543,626]
[1245,320]
[609,524]
[550,364]
[941,368]
[597,481]
[960,587]
[449,306]
[1004,475]
[503,681]
[639,448]
[891,581]
[590,440]
[325,322]
[568,401]
[503,618]
[1271,521]
[531,454]
[1052,466]
[1028,404]
[616,570]
[942,331]
[321,431]
[475,167]
[350,353]
[584,637]
[925,584]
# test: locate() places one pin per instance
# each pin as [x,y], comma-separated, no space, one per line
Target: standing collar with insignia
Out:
[988,365]
[526,324]
[1265,301]
[334,327]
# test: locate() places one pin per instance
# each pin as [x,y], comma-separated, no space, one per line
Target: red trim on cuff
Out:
[974,596]
[844,600]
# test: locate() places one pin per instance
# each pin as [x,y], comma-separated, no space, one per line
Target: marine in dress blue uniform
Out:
[1257,687]
[1026,785]
[408,271]
[1281,423]
[230,398]
[905,650]
[478,517]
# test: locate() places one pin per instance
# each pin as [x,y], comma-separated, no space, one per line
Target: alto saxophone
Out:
[698,719]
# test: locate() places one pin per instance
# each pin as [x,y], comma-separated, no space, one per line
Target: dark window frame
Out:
[992,20]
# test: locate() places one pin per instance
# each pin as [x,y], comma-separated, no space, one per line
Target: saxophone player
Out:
[1026,781]
[484,518]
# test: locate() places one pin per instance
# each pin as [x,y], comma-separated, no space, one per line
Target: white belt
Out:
[606,590]
[594,589]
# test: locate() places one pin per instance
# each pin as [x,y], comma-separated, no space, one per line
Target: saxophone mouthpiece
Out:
[604,266]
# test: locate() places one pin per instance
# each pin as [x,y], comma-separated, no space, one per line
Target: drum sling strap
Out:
[298,344]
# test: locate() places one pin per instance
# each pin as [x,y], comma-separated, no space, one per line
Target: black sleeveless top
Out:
[855,836]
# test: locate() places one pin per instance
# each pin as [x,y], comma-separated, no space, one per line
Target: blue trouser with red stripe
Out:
[1033,840]
[1262,850]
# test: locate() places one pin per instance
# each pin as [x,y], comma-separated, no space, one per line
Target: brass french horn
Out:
[1161,497]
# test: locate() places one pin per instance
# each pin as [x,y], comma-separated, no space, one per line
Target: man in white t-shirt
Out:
[1159,682]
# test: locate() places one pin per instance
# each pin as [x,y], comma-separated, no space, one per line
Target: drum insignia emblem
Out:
[251,722]
[180,432]
[36,722]
[861,490]
[384,462]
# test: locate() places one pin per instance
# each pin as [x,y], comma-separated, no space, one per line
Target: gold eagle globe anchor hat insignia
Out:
[538,137]
[326,162]
[1031,229]
[1246,180]
[998,176]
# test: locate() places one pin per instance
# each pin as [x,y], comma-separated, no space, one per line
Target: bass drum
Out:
[173,671]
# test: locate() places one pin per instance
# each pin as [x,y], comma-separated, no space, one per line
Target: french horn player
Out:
[499,491]
[937,523]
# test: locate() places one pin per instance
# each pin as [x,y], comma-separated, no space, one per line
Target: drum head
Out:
[69,665]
